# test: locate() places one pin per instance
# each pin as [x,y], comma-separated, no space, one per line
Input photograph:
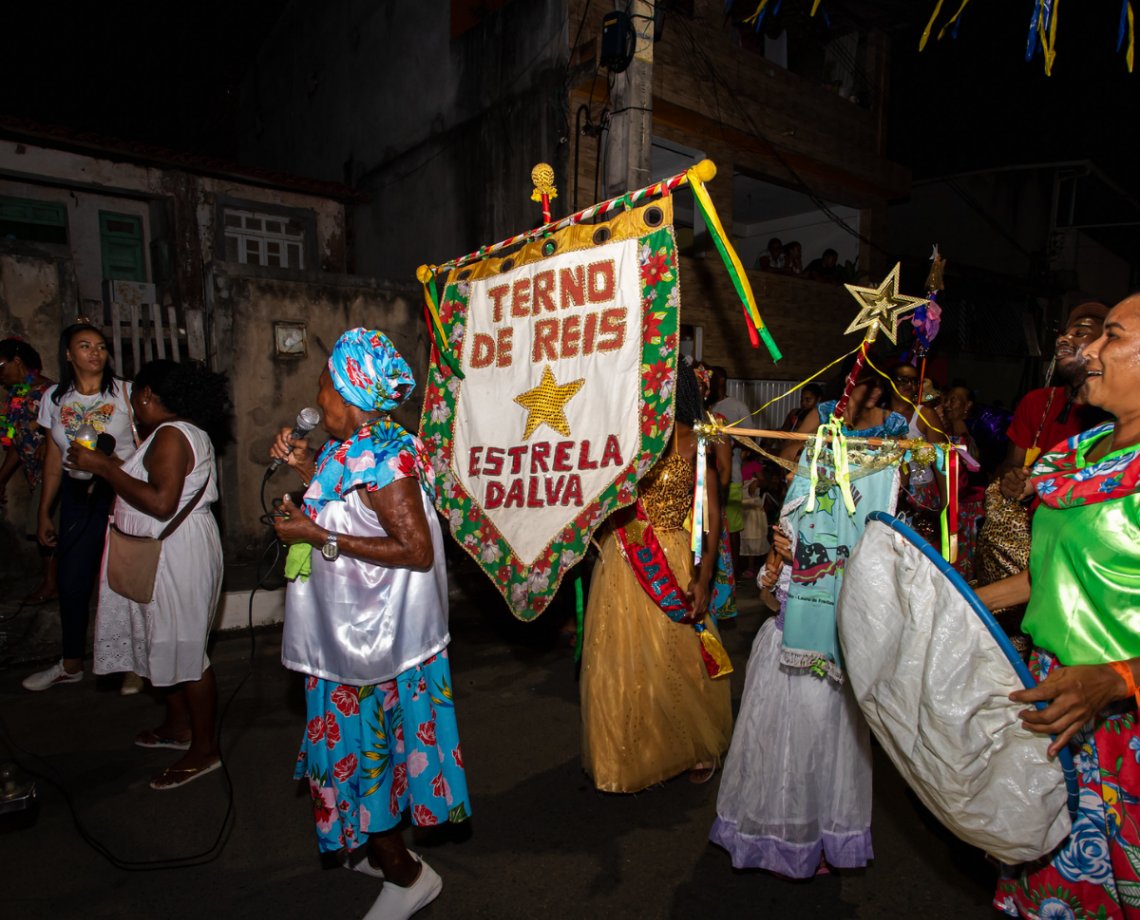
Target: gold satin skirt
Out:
[649,709]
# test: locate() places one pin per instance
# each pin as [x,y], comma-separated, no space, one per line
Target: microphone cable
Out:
[47,773]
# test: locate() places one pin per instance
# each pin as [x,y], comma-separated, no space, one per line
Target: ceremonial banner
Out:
[568,351]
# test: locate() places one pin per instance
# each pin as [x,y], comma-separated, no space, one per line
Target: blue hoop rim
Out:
[1064,756]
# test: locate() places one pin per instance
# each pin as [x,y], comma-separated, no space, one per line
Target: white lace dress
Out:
[165,640]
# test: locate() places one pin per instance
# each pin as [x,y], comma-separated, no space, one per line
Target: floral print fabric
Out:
[1062,478]
[368,372]
[371,753]
[18,427]
[1096,871]
[377,454]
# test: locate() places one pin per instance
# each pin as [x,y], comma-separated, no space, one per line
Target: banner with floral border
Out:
[568,349]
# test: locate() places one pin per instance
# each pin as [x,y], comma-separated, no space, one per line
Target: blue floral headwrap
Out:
[368,372]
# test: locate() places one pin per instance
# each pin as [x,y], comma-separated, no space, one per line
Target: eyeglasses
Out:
[906,380]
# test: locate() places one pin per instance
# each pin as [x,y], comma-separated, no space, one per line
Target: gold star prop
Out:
[880,308]
[546,402]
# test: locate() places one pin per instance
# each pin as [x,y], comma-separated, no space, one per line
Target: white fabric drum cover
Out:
[933,684]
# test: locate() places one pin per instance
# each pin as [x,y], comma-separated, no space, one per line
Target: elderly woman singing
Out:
[1083,589]
[366,621]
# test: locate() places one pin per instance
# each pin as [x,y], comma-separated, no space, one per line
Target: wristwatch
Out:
[330,550]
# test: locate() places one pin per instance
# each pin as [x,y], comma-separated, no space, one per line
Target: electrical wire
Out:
[211,853]
[800,182]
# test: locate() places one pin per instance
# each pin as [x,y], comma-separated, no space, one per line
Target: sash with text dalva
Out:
[568,348]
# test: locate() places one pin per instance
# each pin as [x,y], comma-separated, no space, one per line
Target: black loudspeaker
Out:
[618,41]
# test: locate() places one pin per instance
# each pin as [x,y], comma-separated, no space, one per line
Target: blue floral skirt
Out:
[1095,872]
[371,753]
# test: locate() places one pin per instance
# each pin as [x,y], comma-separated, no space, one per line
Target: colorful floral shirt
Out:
[19,429]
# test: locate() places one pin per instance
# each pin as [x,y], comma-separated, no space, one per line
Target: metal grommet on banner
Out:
[601,235]
[507,265]
[464,275]
[549,248]
[654,216]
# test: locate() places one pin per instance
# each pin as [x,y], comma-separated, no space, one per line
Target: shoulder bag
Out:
[132,562]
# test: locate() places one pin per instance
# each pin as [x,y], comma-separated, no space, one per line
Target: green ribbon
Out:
[578,617]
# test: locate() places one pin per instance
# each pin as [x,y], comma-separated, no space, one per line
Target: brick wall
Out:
[806,318]
[753,117]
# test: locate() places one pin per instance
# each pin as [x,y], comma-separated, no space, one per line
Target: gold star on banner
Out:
[545,403]
[880,308]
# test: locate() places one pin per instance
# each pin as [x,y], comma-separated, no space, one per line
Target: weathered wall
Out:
[441,142]
[175,206]
[269,391]
[31,306]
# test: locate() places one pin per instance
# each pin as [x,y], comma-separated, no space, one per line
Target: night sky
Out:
[974,102]
[168,74]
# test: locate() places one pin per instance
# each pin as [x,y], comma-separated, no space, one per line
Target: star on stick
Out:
[545,404]
[881,308]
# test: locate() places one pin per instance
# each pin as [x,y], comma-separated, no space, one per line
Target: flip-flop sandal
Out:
[188,774]
[148,739]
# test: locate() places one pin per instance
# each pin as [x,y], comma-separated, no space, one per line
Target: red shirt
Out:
[1040,410]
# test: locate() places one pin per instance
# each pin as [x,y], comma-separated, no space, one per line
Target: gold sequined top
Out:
[667,492]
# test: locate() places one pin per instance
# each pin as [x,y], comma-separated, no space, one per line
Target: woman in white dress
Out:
[795,797]
[165,640]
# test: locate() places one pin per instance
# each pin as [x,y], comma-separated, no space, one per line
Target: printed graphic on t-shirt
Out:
[73,415]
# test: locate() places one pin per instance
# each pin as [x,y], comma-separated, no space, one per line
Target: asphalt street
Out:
[542,843]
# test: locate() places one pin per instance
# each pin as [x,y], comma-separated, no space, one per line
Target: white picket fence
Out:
[150,330]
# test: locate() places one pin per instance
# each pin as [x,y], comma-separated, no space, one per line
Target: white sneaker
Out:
[396,903]
[49,677]
[359,863]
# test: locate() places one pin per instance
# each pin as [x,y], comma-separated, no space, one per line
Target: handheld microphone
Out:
[307,419]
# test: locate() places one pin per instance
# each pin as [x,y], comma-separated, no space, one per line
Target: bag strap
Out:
[182,515]
[131,417]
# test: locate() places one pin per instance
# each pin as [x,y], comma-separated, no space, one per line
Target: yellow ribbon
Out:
[425,274]
[759,10]
[1048,44]
[842,467]
[1131,38]
[930,25]
[701,193]
[949,22]
[833,429]
[946,25]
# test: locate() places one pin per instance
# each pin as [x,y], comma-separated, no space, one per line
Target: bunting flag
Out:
[561,396]
[1126,29]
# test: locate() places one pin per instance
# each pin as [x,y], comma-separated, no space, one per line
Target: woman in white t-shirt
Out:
[87,393]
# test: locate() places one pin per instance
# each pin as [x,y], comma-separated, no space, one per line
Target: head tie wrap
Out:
[368,372]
